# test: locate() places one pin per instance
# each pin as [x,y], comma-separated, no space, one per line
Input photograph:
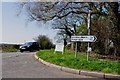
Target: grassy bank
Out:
[9,47]
[10,50]
[68,60]
[0,50]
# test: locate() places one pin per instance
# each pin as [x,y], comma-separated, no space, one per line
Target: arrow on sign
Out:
[86,38]
[95,38]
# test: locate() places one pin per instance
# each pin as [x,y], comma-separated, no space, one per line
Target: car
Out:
[30,46]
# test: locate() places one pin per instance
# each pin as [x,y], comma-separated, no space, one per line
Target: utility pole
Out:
[88,52]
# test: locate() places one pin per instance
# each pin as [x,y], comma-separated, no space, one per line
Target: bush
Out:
[44,42]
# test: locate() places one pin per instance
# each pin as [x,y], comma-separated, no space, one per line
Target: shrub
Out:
[44,42]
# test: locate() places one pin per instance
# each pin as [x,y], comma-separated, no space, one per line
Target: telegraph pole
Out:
[88,52]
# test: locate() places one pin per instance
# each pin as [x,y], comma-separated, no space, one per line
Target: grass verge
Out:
[10,50]
[68,60]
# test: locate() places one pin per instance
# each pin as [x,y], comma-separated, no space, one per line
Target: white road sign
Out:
[59,47]
[86,38]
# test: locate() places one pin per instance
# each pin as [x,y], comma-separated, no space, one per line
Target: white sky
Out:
[14,29]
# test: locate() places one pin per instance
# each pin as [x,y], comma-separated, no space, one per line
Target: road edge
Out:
[79,72]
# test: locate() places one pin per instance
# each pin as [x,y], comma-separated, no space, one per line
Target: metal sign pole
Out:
[76,51]
[88,52]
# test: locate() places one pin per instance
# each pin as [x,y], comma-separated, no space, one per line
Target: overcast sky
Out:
[14,28]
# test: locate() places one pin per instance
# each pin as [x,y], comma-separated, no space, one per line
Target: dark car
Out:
[30,46]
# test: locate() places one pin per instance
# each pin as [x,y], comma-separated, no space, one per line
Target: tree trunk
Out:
[106,46]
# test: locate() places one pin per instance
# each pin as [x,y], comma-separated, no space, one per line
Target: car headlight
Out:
[20,46]
[28,46]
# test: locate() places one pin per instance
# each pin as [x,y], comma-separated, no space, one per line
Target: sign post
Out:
[87,38]
[76,50]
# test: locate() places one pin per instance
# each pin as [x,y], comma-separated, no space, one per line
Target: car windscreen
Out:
[27,43]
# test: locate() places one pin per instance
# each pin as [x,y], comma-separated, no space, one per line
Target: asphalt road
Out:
[24,65]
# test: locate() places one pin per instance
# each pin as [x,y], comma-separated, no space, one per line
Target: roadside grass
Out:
[68,60]
[0,50]
[9,50]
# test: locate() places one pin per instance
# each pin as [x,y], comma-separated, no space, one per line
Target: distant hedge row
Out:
[9,47]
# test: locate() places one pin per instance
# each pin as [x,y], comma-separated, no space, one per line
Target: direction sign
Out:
[86,38]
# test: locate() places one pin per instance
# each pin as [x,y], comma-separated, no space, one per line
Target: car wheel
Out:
[31,50]
[38,49]
[21,51]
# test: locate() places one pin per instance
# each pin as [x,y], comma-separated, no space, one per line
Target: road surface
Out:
[24,65]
